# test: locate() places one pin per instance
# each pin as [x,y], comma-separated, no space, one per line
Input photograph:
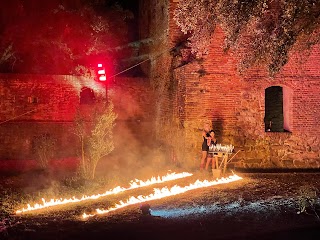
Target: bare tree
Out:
[94,130]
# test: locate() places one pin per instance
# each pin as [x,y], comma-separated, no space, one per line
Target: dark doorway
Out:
[274,109]
[87,96]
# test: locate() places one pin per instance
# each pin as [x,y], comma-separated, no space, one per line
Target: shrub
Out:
[94,129]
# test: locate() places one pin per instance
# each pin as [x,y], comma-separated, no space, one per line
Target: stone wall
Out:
[212,90]
[154,23]
[236,107]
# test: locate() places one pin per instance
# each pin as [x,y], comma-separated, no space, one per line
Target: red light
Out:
[102,78]
[101,73]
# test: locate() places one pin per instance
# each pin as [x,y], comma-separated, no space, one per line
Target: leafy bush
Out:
[260,32]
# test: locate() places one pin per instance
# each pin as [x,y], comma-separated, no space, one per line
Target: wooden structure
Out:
[222,159]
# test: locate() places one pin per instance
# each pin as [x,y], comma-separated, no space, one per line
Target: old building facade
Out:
[273,121]
[34,105]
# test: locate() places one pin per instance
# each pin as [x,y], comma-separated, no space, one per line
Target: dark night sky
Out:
[24,41]
[129,4]
[132,5]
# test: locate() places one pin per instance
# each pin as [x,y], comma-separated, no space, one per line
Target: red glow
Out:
[102,78]
[101,73]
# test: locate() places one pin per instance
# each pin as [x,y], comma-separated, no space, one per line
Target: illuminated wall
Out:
[212,90]
[32,105]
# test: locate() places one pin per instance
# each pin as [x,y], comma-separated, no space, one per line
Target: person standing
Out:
[212,141]
[205,147]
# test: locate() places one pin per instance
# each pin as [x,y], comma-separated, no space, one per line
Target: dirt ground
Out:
[260,206]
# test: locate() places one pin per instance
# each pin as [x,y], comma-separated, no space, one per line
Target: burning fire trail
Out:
[164,192]
[133,185]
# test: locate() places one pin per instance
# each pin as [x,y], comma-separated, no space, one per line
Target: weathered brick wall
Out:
[58,98]
[236,106]
[17,139]
[154,21]
[213,90]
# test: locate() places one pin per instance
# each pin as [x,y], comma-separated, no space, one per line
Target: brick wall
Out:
[32,105]
[41,97]
[235,104]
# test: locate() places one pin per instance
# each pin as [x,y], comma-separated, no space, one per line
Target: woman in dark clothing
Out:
[205,147]
[212,140]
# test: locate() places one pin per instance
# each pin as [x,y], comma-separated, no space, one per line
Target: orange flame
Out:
[164,192]
[133,185]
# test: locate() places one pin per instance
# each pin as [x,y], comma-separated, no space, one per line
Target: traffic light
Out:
[102,77]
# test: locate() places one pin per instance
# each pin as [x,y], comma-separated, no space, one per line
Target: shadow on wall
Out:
[217,125]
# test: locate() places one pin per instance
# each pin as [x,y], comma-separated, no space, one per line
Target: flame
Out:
[162,193]
[133,185]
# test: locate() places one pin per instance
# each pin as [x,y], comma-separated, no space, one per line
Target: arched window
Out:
[277,109]
[87,96]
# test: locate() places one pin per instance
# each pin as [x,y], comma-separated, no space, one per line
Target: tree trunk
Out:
[82,157]
[93,170]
